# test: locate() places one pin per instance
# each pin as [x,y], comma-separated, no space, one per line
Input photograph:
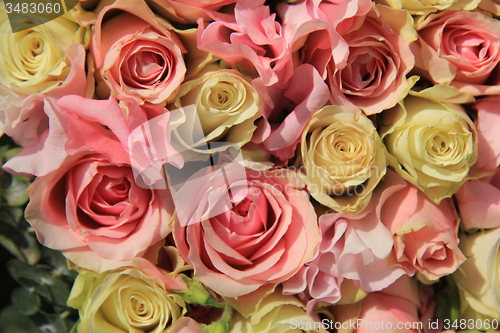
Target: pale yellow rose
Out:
[433,144]
[421,8]
[343,159]
[33,60]
[269,310]
[492,6]
[478,279]
[124,301]
[220,106]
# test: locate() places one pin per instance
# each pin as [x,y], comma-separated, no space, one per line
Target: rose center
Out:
[468,46]
[138,306]
[147,67]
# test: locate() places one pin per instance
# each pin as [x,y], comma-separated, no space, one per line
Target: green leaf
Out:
[12,321]
[25,301]
[13,216]
[30,277]
[448,306]
[58,261]
[22,244]
[196,292]
[59,292]
[11,246]
[49,323]
[223,324]
[3,150]
[17,192]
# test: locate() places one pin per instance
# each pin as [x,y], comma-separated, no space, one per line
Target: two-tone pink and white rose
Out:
[265,235]
[425,234]
[460,48]
[379,59]
[139,55]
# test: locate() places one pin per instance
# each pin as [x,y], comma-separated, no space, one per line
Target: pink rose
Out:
[249,40]
[313,30]
[460,48]
[379,59]
[321,278]
[91,208]
[286,111]
[187,11]
[356,248]
[265,238]
[394,309]
[479,203]
[361,250]
[138,55]
[310,32]
[487,123]
[425,234]
[38,125]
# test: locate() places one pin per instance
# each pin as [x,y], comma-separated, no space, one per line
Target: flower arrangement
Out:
[251,166]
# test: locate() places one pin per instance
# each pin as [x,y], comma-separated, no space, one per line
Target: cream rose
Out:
[270,311]
[124,301]
[32,58]
[435,144]
[478,279]
[424,7]
[343,159]
[221,106]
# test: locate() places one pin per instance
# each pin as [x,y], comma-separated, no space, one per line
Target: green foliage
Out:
[38,305]
[448,306]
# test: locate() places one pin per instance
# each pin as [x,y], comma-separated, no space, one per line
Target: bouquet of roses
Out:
[250,165]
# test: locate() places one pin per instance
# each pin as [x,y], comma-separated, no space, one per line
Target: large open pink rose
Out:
[460,48]
[139,56]
[267,233]
[91,208]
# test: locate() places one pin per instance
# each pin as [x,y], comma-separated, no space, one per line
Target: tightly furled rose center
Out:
[342,144]
[364,70]
[139,56]
[443,145]
[32,58]
[436,146]
[379,59]
[220,105]
[145,63]
[224,97]
[441,149]
[343,159]
[467,46]
[111,201]
[460,48]
[148,67]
